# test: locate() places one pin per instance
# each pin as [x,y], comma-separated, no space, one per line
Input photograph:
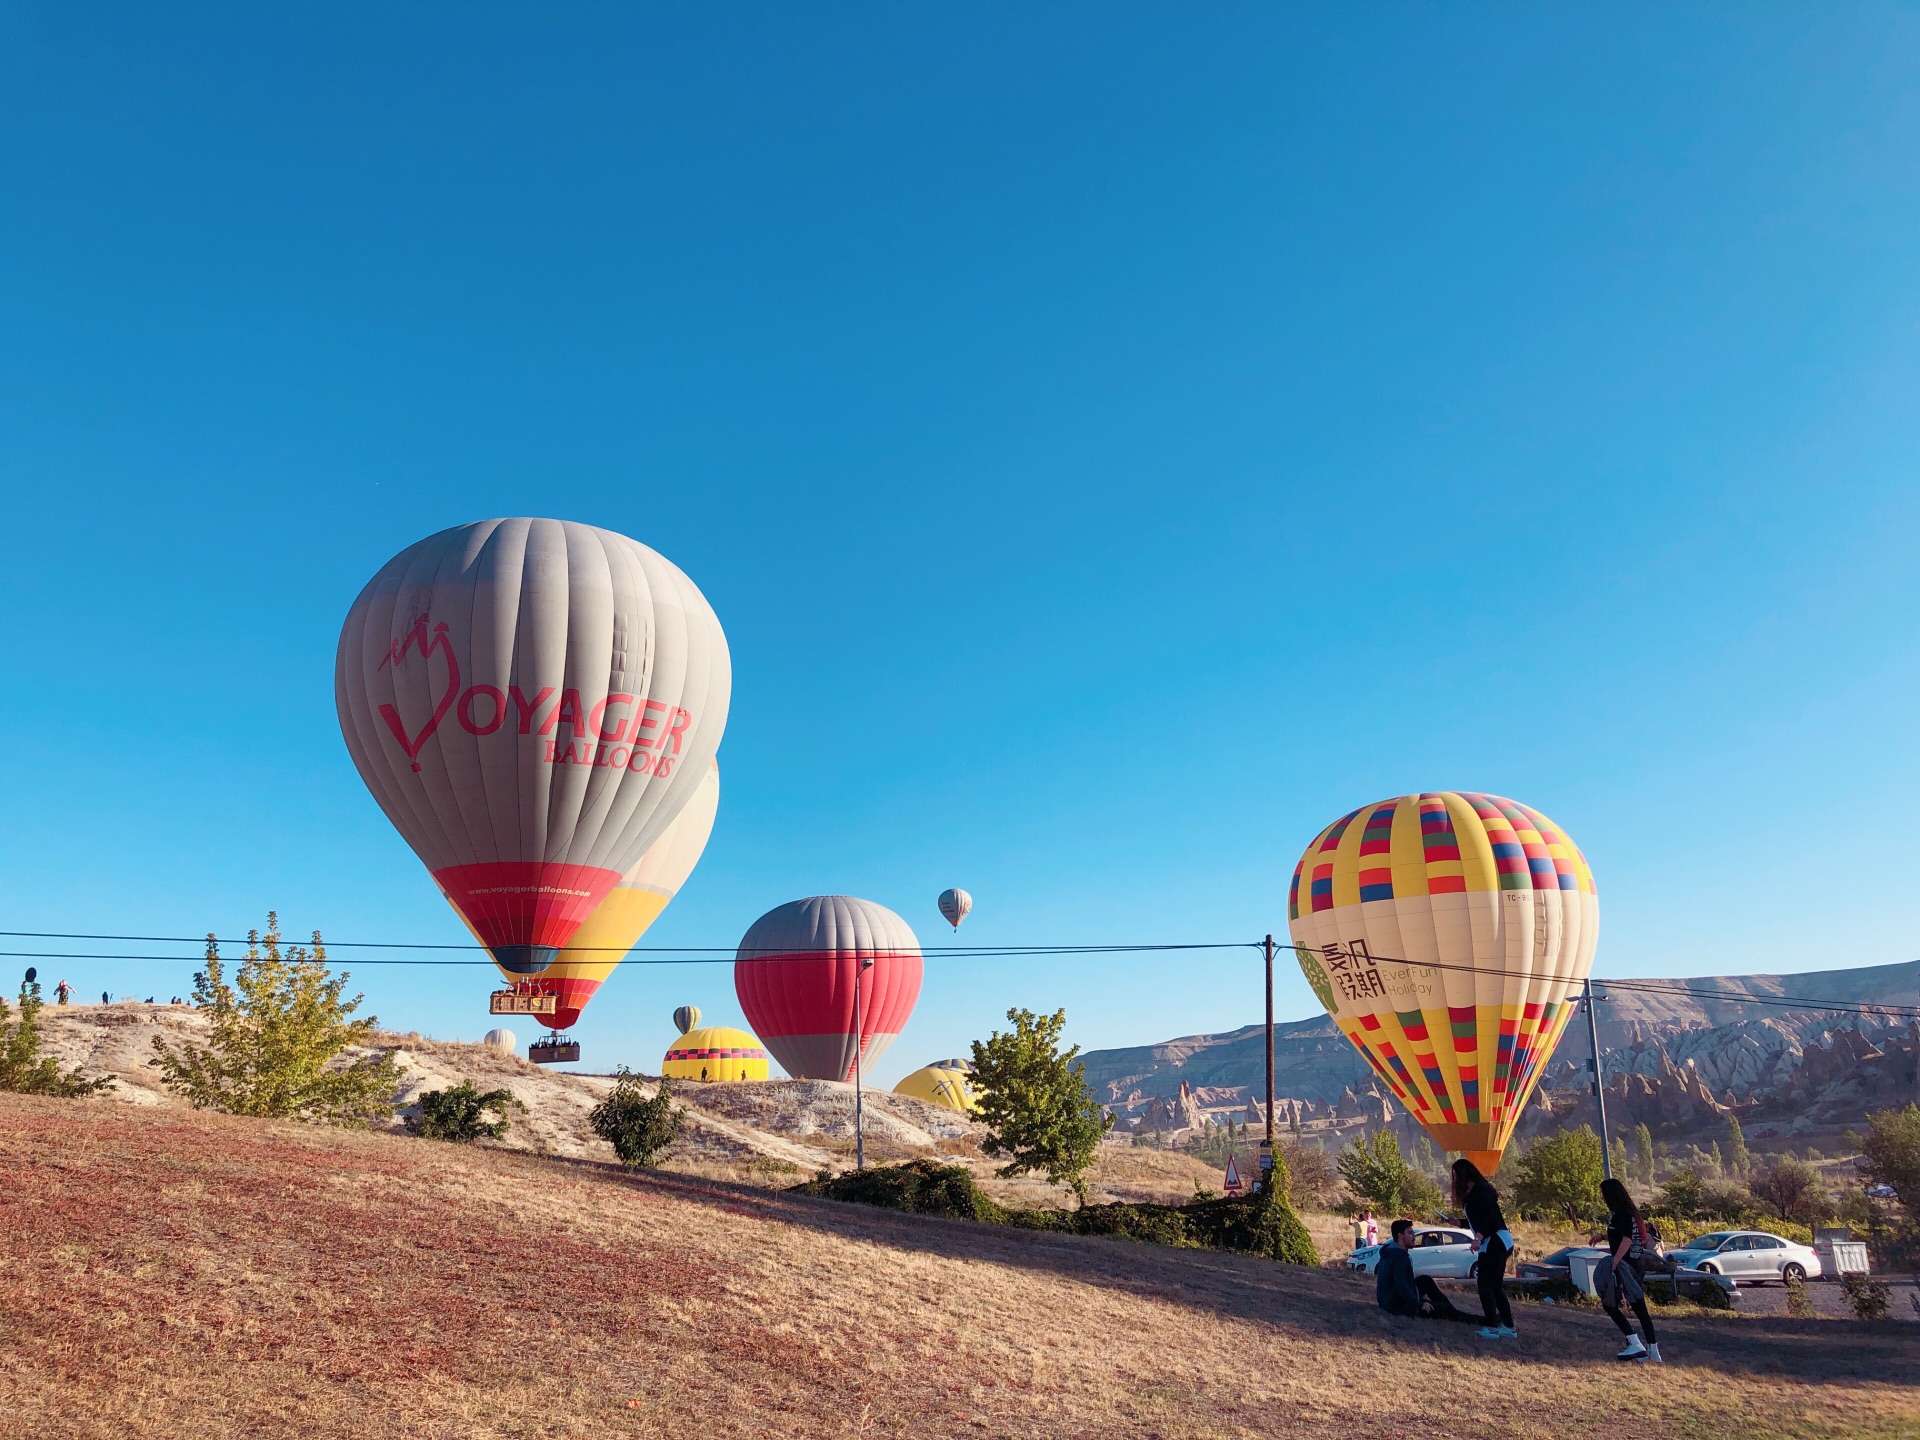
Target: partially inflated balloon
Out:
[945,1082]
[532,702]
[1446,934]
[795,974]
[954,905]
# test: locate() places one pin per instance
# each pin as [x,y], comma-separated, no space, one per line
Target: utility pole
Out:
[859,1046]
[1599,1087]
[1266,1145]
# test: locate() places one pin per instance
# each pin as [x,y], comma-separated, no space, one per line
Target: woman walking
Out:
[1474,1193]
[1618,1277]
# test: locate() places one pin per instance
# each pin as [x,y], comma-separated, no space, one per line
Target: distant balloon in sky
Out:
[1487,888]
[605,937]
[686,1018]
[533,703]
[954,905]
[795,973]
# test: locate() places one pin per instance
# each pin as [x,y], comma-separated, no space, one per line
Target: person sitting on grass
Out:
[1401,1292]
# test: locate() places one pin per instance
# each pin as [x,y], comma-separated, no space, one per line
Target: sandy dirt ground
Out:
[174,1273]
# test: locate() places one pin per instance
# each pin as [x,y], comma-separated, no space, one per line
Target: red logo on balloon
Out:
[416,638]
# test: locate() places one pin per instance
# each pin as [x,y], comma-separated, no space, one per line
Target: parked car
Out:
[1440,1251]
[1748,1255]
[1558,1265]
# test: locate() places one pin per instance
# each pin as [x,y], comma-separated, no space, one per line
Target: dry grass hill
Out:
[165,1272]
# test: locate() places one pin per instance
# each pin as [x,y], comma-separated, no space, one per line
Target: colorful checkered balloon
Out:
[1447,934]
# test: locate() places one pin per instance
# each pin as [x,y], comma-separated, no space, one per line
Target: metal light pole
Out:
[1266,1145]
[859,1045]
[1599,1088]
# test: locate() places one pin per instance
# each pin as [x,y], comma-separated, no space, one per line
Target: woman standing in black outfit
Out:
[1473,1192]
[1618,1277]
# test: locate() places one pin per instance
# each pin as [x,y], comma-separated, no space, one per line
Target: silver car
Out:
[1749,1256]
[1440,1251]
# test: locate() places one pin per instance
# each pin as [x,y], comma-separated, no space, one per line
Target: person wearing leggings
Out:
[1474,1193]
[1617,1278]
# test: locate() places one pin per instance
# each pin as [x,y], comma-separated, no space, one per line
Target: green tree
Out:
[1377,1174]
[1793,1190]
[1739,1160]
[460,1113]
[1890,1153]
[23,1069]
[1035,1102]
[279,1031]
[1682,1196]
[638,1126]
[1560,1174]
[1622,1162]
[1643,1143]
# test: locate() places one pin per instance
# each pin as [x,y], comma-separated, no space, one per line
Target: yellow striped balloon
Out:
[1447,934]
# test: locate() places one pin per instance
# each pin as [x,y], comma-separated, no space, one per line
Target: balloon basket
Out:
[552,1050]
[528,997]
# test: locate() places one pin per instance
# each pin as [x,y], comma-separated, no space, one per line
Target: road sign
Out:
[1233,1182]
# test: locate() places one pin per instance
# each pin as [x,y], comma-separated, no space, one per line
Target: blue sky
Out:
[1116,440]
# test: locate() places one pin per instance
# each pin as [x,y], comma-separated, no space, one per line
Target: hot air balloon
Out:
[1446,934]
[795,974]
[505,1041]
[686,1018]
[605,937]
[533,703]
[954,905]
[715,1053]
[944,1082]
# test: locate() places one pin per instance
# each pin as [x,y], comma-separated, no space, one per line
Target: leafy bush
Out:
[1559,1175]
[460,1113]
[278,1031]
[638,1126]
[1869,1297]
[1712,1295]
[919,1187]
[1799,1306]
[1890,1153]
[23,1069]
[1313,1178]
[1377,1174]
[1035,1102]
[1256,1225]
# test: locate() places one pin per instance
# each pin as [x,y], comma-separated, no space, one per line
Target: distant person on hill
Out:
[1401,1292]
[104,998]
[1618,1277]
[63,990]
[1475,1194]
[1373,1229]
[1359,1228]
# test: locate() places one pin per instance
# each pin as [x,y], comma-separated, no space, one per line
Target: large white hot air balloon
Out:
[532,702]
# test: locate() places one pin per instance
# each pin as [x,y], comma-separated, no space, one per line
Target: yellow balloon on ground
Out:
[945,1082]
[615,927]
[717,1052]
[1446,934]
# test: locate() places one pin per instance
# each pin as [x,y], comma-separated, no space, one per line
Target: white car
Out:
[1748,1255]
[1439,1251]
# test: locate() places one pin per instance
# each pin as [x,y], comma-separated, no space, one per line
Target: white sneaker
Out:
[1487,1332]
[1507,1332]
[1651,1356]
[1635,1349]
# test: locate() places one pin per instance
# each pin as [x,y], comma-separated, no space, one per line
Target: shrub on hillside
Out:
[638,1126]
[278,1031]
[1793,1190]
[919,1187]
[461,1113]
[1254,1225]
[23,1069]
[1870,1298]
[1035,1102]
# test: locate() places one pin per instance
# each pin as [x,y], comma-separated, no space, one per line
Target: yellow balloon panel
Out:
[946,1085]
[715,1053]
[1446,933]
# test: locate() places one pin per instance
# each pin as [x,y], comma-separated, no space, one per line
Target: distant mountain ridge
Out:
[1685,1054]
